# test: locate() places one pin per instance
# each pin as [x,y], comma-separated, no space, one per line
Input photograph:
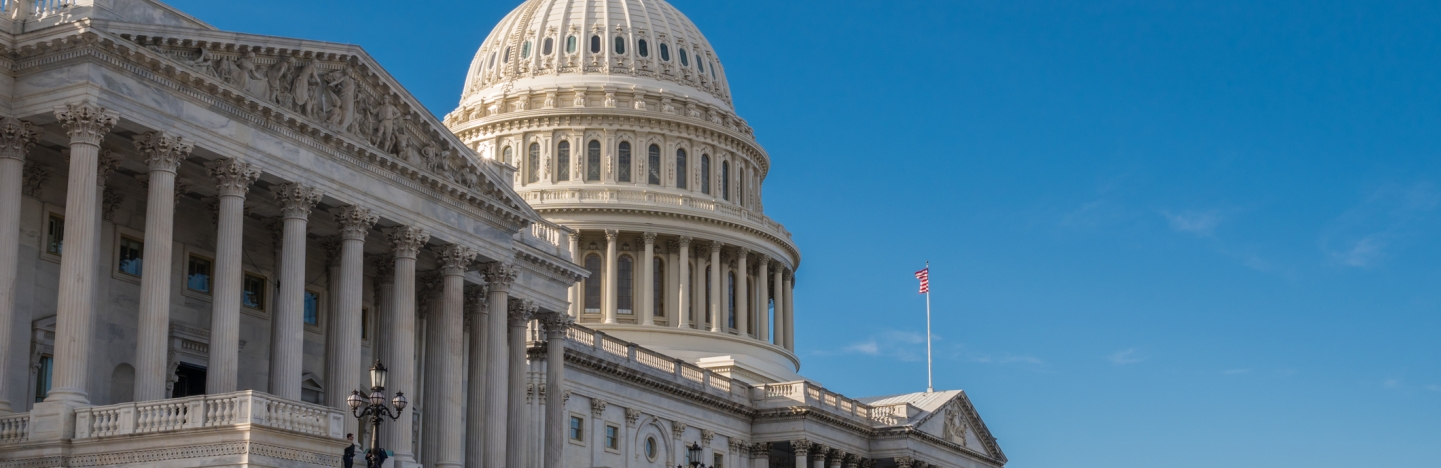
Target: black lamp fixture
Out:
[693,454]
[376,409]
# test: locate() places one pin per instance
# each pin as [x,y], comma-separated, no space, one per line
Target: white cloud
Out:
[1390,218]
[1362,254]
[1126,357]
[1433,388]
[1200,223]
[868,347]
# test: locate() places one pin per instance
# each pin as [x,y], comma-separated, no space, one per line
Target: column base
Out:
[53,420]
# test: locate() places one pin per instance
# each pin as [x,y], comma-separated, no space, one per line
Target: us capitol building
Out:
[207,238]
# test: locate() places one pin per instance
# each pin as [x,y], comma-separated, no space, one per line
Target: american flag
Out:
[925,277]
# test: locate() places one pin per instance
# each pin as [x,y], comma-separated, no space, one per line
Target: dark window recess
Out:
[595,44]
[189,381]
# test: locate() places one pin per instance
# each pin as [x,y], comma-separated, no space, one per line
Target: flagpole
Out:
[930,382]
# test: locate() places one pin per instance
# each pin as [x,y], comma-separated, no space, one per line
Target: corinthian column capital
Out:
[85,122]
[520,310]
[649,237]
[500,275]
[455,259]
[474,298]
[611,234]
[716,246]
[297,200]
[107,164]
[556,324]
[802,447]
[163,152]
[407,240]
[16,138]
[685,242]
[233,177]
[355,222]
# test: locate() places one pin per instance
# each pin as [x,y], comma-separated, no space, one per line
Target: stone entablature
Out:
[603,100]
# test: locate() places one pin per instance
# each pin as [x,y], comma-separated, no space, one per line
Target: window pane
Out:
[699,63]
[705,174]
[595,44]
[492,60]
[508,155]
[43,378]
[731,300]
[562,165]
[312,308]
[623,163]
[254,295]
[547,46]
[55,235]
[726,180]
[625,286]
[680,169]
[611,437]
[653,165]
[197,276]
[576,428]
[684,60]
[570,45]
[641,48]
[658,287]
[506,57]
[664,52]
[525,50]
[534,175]
[619,45]
[592,283]
[131,256]
[592,160]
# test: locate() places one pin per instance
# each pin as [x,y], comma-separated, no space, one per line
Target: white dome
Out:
[643,45]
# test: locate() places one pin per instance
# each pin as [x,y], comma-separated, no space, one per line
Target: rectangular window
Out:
[577,429]
[132,254]
[253,296]
[197,275]
[42,380]
[55,235]
[612,437]
[312,308]
[719,461]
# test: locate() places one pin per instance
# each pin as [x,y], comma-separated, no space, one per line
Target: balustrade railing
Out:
[32,9]
[562,195]
[790,393]
[690,374]
[14,428]
[550,234]
[229,409]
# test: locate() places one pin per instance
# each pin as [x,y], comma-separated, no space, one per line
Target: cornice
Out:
[787,244]
[618,371]
[914,433]
[805,412]
[563,271]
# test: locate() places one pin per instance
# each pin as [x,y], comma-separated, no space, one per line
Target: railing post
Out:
[84,420]
[630,352]
[195,413]
[679,370]
[126,423]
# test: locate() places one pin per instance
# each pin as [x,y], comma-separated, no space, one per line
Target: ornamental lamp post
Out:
[376,409]
[693,454]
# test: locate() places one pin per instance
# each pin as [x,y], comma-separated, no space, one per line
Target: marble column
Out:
[498,277]
[287,329]
[647,281]
[778,296]
[743,311]
[398,333]
[761,455]
[345,366]
[577,290]
[477,348]
[86,125]
[454,260]
[163,153]
[682,270]
[717,315]
[520,313]
[802,449]
[383,299]
[837,457]
[789,290]
[232,181]
[555,330]
[820,459]
[763,315]
[612,287]
[16,138]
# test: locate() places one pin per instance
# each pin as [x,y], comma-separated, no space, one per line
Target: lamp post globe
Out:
[376,410]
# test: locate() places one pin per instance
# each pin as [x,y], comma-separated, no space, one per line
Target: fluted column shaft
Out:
[16,138]
[717,319]
[87,126]
[577,290]
[498,277]
[520,315]
[449,398]
[287,331]
[763,318]
[476,382]
[647,281]
[344,368]
[555,339]
[233,179]
[780,306]
[789,290]
[682,269]
[612,287]
[163,154]
[399,334]
[742,293]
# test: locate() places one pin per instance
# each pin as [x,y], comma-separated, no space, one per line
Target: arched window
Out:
[506,57]
[592,283]
[592,160]
[625,285]
[642,48]
[726,180]
[622,170]
[595,44]
[492,60]
[699,64]
[664,52]
[525,50]
[533,174]
[705,174]
[508,155]
[570,45]
[562,161]
[712,71]
[547,46]
[653,165]
[731,300]
[658,286]
[619,45]
[684,60]
[680,174]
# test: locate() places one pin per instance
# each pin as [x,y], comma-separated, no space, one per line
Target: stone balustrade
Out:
[14,428]
[36,8]
[601,345]
[802,393]
[229,409]
[704,205]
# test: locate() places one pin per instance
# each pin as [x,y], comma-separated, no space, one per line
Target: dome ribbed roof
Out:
[642,43]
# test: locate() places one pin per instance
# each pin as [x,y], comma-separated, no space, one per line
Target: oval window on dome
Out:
[699,64]
[640,48]
[547,46]
[505,58]
[525,50]
[684,60]
[570,45]
[492,60]
[712,71]
[619,45]
[595,44]
[664,52]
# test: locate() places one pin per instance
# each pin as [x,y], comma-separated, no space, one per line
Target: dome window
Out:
[619,45]
[506,57]
[684,60]
[641,48]
[508,156]
[699,65]
[562,163]
[592,161]
[653,165]
[548,46]
[680,169]
[533,175]
[712,71]
[622,172]
[705,174]
[570,45]
[492,60]
[525,50]
[664,52]
[595,44]
[726,180]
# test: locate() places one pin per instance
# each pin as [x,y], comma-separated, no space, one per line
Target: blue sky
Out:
[1164,234]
